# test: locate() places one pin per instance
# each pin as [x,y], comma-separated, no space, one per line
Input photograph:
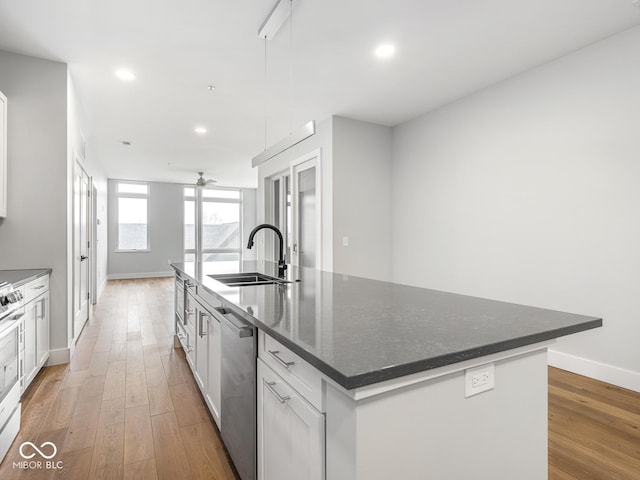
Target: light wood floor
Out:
[594,429]
[126,406]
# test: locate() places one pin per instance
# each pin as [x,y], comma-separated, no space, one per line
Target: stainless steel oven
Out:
[11,312]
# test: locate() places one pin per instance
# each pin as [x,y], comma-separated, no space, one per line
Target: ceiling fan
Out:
[201,182]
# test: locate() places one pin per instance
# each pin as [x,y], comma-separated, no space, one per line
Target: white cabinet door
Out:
[42,329]
[201,365]
[3,155]
[190,320]
[290,431]
[212,393]
[30,326]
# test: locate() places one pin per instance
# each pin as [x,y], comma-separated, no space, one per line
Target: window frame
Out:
[199,199]
[145,196]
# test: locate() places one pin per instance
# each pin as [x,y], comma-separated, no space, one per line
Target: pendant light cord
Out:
[290,66]
[265,92]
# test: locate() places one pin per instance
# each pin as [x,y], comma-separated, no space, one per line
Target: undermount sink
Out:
[246,278]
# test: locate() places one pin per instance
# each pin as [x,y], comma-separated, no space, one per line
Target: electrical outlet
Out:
[479,379]
[345,241]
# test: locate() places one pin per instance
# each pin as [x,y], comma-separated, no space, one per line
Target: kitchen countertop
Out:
[359,331]
[20,277]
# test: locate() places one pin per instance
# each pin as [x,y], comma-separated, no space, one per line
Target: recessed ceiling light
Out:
[385,50]
[123,74]
[200,130]
[211,88]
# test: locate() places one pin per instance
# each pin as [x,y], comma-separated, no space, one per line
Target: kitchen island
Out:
[362,379]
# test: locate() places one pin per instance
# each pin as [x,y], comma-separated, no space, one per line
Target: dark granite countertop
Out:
[360,332]
[20,277]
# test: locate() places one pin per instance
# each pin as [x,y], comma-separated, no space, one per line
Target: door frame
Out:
[268,252]
[269,217]
[93,251]
[80,165]
[313,156]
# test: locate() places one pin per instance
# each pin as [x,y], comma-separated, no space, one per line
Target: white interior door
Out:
[80,249]
[306,245]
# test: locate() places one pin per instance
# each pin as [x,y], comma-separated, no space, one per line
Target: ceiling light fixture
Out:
[126,75]
[200,130]
[385,50]
[282,10]
[276,18]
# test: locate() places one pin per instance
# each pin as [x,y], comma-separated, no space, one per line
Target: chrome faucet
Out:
[281,265]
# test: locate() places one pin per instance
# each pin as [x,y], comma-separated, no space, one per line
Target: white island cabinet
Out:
[212,386]
[291,422]
[3,156]
[207,362]
[359,379]
[414,427]
[200,339]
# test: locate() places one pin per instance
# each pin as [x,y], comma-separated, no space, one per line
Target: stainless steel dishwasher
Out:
[238,391]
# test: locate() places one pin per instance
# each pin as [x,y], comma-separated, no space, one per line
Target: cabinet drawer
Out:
[293,369]
[36,287]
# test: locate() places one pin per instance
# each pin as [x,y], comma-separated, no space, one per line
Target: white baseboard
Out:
[600,371]
[59,356]
[102,287]
[128,276]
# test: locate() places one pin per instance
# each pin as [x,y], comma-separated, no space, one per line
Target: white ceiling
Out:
[446,49]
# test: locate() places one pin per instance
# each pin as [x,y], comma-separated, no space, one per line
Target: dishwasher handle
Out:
[242,328]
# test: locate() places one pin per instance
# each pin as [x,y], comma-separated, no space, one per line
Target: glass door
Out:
[306,221]
[280,211]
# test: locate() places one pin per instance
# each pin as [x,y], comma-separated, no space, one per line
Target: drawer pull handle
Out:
[284,363]
[201,332]
[38,287]
[271,387]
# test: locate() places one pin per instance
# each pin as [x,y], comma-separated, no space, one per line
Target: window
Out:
[212,225]
[132,216]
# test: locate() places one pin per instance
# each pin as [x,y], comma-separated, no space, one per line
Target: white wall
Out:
[165,206]
[362,196]
[355,169]
[102,242]
[528,192]
[34,234]
[79,139]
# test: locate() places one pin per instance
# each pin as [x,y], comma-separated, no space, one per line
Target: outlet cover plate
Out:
[479,379]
